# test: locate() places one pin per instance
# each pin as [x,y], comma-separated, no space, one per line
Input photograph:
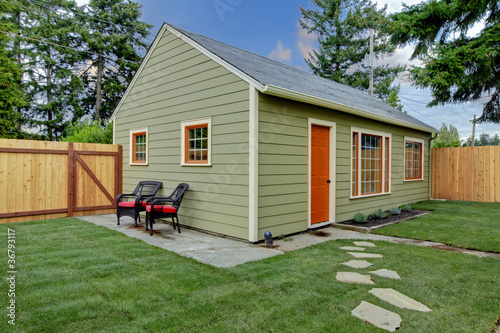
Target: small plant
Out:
[360,218]
[395,211]
[379,214]
[406,208]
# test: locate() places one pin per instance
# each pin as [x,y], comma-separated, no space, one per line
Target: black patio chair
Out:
[165,207]
[145,189]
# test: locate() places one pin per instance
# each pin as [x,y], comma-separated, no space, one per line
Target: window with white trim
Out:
[139,146]
[370,162]
[414,159]
[196,140]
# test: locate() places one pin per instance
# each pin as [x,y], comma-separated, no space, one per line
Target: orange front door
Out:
[320,173]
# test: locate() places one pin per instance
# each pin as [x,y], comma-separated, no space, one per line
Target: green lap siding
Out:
[179,83]
[283,165]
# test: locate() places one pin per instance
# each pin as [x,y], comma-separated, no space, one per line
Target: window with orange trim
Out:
[196,146]
[414,159]
[370,163]
[139,146]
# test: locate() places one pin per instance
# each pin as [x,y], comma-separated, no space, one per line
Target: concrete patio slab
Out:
[387,273]
[377,316]
[352,277]
[361,255]
[206,248]
[357,263]
[352,248]
[398,299]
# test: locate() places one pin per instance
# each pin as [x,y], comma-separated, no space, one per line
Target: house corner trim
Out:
[253,174]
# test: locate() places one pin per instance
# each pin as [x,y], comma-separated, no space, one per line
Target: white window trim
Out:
[132,132]
[384,135]
[195,122]
[406,138]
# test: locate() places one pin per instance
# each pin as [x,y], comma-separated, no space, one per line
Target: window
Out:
[370,163]
[414,159]
[196,142]
[139,147]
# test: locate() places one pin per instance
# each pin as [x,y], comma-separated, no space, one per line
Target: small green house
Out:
[262,145]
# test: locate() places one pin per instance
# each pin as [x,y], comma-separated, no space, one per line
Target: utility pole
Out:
[473,130]
[369,61]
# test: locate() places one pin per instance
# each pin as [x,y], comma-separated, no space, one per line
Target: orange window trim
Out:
[358,171]
[186,143]
[356,145]
[134,135]
[388,146]
[413,159]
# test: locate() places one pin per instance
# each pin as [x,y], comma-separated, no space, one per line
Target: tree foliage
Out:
[342,28]
[90,131]
[448,137]
[457,67]
[484,139]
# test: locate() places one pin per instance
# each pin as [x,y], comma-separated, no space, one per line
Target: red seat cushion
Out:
[159,208]
[144,203]
[126,204]
[169,209]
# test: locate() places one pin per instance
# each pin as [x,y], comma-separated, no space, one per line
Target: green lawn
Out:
[73,276]
[472,225]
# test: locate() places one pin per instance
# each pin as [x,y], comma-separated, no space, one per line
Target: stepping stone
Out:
[387,273]
[357,263]
[352,248]
[377,316]
[367,244]
[397,299]
[365,255]
[351,277]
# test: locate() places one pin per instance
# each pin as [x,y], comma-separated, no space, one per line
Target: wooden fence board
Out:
[466,173]
[42,179]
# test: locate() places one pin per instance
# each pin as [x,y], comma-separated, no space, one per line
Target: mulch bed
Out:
[373,222]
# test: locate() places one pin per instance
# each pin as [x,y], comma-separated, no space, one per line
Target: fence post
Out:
[71,187]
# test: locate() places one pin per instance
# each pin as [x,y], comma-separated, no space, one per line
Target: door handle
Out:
[328,181]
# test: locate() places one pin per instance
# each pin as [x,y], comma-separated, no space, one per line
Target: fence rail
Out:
[466,173]
[41,179]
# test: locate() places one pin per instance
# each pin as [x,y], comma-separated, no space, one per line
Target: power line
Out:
[64,46]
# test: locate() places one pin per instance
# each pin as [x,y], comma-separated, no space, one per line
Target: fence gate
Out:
[40,180]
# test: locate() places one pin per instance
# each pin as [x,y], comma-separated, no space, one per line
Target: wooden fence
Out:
[466,173]
[41,180]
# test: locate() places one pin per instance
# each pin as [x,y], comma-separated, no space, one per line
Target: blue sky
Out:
[270,28]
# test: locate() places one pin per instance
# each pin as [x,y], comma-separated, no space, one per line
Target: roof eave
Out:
[305,98]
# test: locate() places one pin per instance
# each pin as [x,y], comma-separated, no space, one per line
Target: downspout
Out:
[430,164]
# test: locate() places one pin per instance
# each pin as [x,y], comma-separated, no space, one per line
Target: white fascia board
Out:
[158,37]
[301,97]
[242,75]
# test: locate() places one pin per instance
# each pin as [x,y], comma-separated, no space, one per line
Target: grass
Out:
[471,225]
[75,276]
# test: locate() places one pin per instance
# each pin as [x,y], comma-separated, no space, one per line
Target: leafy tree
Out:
[456,67]
[394,101]
[11,93]
[448,137]
[90,131]
[116,37]
[484,140]
[342,26]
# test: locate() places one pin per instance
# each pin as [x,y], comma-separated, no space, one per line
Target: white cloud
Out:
[394,6]
[305,41]
[281,53]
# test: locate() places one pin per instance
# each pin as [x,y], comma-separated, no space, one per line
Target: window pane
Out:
[371,165]
[198,144]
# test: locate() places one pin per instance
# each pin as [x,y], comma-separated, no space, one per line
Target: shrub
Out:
[395,211]
[379,214]
[90,131]
[406,208]
[360,218]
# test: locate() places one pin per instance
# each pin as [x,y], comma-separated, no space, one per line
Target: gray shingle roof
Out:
[270,72]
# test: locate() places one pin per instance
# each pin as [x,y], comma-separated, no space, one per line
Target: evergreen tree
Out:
[116,36]
[11,93]
[456,67]
[448,137]
[342,28]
